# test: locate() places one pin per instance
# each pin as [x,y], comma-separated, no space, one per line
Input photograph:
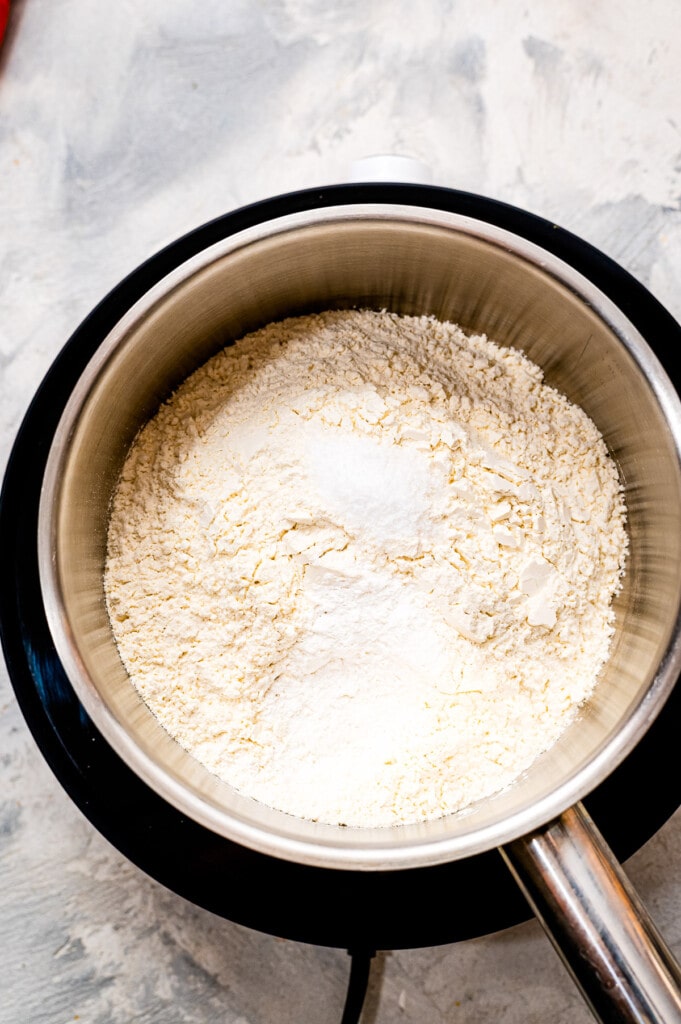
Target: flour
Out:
[361,566]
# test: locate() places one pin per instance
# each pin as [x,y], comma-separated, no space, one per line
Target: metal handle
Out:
[596,921]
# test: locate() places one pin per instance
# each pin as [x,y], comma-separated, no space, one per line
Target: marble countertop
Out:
[123,126]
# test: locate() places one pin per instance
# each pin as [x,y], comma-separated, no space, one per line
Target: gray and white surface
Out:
[124,125]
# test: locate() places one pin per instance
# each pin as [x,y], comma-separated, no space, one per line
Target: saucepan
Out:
[491,269]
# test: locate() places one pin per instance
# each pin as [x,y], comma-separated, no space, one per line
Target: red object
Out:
[4,15]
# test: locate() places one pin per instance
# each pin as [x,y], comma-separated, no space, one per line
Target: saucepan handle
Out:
[596,921]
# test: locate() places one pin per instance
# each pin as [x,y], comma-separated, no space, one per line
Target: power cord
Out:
[360,967]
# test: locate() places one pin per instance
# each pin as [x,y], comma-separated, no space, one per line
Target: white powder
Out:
[361,565]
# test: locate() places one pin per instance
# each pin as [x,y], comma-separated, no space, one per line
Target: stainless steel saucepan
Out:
[411,259]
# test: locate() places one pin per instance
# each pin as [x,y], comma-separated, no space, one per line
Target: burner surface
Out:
[388,910]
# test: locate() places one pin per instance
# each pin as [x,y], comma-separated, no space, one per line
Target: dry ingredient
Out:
[361,565]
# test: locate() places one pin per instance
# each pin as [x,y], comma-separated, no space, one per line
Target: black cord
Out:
[360,966]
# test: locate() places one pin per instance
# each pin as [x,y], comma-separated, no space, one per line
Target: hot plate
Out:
[347,909]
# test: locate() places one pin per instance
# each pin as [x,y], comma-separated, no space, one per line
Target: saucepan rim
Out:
[326,851]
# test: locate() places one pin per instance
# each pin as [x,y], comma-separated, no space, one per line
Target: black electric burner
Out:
[348,909]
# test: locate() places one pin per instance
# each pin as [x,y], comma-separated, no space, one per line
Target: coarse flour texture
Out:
[361,565]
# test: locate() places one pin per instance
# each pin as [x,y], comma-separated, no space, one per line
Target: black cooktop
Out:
[349,909]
